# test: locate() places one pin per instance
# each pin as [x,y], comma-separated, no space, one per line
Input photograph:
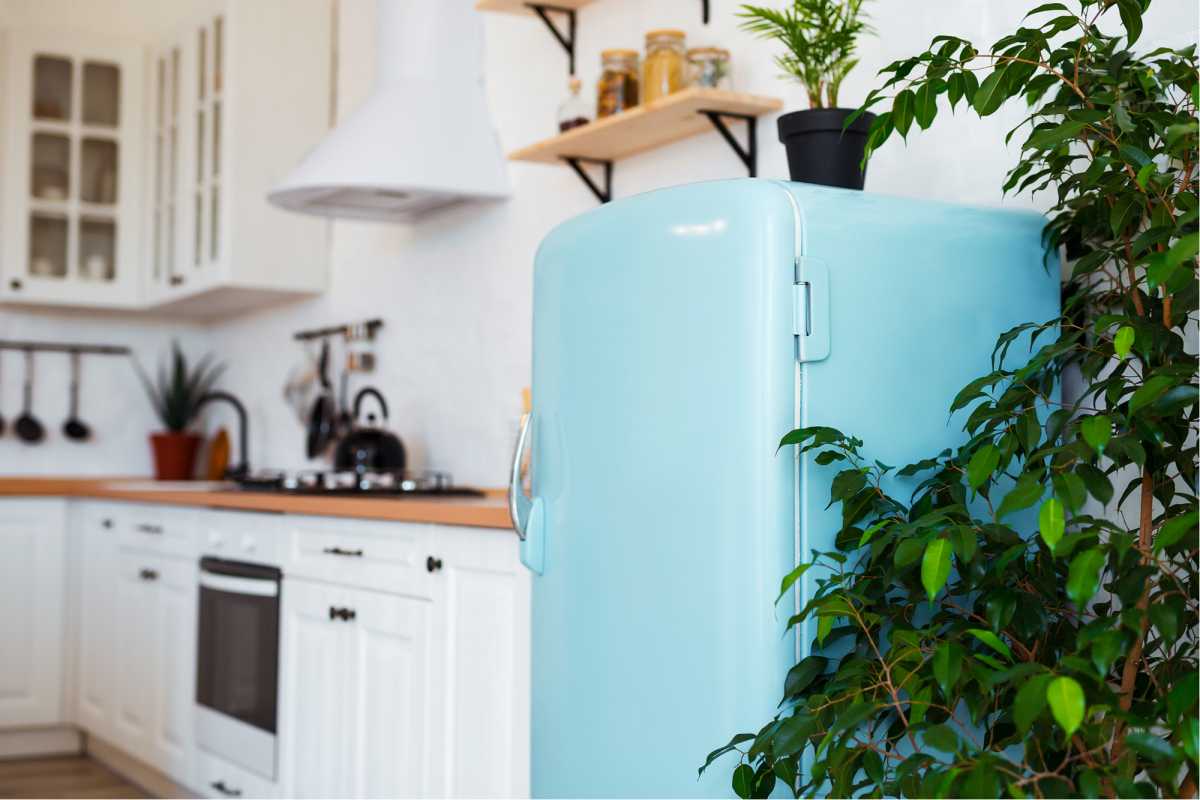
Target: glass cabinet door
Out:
[73,125]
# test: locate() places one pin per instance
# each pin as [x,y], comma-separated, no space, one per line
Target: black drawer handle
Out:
[148,528]
[106,523]
[148,574]
[177,280]
[344,614]
[433,564]
[228,791]
[340,551]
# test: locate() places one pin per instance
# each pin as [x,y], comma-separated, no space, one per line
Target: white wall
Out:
[455,290]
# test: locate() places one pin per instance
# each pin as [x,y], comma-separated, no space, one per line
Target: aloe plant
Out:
[178,388]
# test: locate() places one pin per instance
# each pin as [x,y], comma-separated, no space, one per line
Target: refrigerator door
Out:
[663,518]
[911,296]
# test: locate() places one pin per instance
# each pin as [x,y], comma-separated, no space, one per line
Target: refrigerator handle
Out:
[518,503]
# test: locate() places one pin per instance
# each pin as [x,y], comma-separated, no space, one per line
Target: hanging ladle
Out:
[27,426]
[74,427]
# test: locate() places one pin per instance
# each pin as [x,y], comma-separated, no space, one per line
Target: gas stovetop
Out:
[359,484]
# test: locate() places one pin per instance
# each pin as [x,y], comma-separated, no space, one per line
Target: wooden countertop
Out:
[490,511]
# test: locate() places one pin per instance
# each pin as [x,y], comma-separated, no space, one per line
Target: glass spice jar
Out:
[574,111]
[708,68]
[618,86]
[663,69]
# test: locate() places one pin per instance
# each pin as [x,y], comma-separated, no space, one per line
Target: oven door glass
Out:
[238,648]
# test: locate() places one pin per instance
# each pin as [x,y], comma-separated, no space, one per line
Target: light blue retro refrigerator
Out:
[677,336]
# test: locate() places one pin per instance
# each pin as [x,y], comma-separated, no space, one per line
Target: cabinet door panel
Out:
[95,689]
[31,611]
[313,709]
[175,641]
[390,736]
[136,652]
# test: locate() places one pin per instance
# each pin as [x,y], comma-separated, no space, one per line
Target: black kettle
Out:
[370,447]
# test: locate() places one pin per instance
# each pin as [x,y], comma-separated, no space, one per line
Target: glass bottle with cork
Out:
[574,111]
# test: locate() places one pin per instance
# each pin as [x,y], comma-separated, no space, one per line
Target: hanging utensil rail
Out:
[368,327]
[65,347]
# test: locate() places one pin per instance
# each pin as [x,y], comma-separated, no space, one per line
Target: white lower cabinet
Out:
[32,591]
[355,708]
[404,648]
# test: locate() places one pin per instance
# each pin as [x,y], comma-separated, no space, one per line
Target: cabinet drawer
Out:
[159,529]
[387,556]
[253,537]
[216,777]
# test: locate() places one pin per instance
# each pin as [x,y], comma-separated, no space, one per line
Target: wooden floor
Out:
[66,776]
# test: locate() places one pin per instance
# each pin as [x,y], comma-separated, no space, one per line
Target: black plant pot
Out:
[820,151]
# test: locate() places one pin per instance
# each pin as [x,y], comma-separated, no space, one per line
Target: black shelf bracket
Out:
[567,40]
[749,153]
[576,163]
[704,11]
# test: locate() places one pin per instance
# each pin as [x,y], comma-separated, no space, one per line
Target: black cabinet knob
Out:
[106,523]
[341,551]
[15,284]
[177,280]
[344,614]
[228,791]
[433,564]
[148,574]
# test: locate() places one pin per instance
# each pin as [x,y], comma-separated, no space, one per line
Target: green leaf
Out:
[1027,492]
[824,626]
[902,111]
[852,717]
[1098,485]
[790,579]
[1123,341]
[1097,431]
[947,667]
[1031,699]
[925,104]
[941,737]
[1067,703]
[1083,578]
[1121,117]
[982,464]
[991,93]
[1071,490]
[743,781]
[991,640]
[1176,529]
[803,674]
[1051,522]
[1144,173]
[1152,747]
[720,751]
[935,566]
[908,551]
[1166,619]
[1051,137]
[1149,392]
[1131,18]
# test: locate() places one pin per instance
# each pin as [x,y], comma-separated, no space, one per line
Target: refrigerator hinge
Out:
[801,299]
[810,309]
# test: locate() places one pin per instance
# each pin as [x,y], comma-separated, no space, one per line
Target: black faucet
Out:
[242,469]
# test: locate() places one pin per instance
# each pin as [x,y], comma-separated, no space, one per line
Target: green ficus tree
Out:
[1025,622]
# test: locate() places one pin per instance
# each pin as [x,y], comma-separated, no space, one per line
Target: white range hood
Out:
[423,139]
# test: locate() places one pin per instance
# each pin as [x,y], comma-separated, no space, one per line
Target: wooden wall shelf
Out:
[522,6]
[646,127]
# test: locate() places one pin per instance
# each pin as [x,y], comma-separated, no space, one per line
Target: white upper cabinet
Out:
[73,176]
[238,96]
[136,171]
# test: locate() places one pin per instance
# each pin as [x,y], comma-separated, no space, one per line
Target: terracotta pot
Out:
[174,455]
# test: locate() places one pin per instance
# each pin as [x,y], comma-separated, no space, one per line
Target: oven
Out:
[237,669]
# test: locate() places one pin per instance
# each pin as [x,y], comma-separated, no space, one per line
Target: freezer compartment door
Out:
[663,379]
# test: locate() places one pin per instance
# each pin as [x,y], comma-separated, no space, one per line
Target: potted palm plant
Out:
[820,39]
[176,396]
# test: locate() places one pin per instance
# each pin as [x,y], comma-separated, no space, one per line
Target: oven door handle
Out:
[234,585]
